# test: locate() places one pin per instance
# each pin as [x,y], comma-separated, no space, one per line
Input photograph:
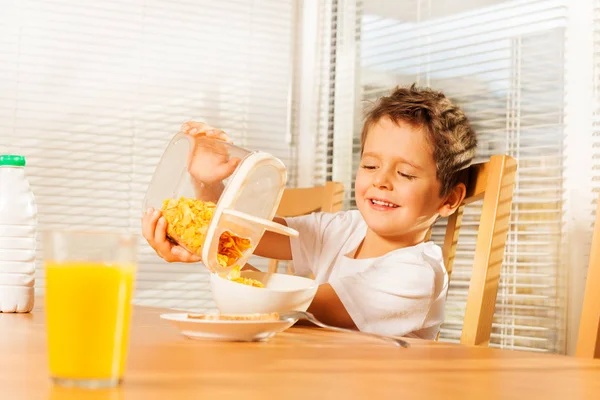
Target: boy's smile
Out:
[382,204]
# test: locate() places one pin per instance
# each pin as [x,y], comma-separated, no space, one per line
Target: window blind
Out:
[503,62]
[314,75]
[91,93]
[338,95]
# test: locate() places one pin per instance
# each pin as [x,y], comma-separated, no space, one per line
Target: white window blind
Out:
[314,89]
[503,62]
[334,73]
[91,93]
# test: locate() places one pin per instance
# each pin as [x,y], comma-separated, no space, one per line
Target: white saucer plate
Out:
[228,331]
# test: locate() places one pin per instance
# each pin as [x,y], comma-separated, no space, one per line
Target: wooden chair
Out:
[492,181]
[303,201]
[588,341]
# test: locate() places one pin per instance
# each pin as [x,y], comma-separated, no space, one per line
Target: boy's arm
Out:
[274,245]
[329,309]
[326,305]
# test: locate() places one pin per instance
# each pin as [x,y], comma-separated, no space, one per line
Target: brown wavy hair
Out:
[448,130]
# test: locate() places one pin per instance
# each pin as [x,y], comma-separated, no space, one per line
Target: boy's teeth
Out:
[383,203]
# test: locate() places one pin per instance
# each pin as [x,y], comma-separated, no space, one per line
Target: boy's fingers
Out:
[233,162]
[183,255]
[154,230]
[160,233]
[161,244]
[218,134]
[194,128]
[149,221]
[224,171]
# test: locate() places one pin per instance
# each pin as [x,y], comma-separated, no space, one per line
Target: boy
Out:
[375,271]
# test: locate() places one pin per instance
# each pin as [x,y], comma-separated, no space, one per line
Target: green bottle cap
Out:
[12,160]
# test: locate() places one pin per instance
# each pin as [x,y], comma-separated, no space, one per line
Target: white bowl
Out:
[281,293]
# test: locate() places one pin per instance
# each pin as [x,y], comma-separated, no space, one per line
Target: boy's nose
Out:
[382,181]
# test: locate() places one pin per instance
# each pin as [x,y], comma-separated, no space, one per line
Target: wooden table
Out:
[299,363]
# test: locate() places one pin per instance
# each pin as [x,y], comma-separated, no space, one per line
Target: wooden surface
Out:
[302,363]
[588,342]
[492,181]
[303,201]
[451,239]
[489,250]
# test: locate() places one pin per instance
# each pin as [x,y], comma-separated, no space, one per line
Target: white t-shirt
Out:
[402,293]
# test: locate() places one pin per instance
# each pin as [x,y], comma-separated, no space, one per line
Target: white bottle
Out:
[18,229]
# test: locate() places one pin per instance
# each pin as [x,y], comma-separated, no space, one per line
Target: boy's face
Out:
[396,188]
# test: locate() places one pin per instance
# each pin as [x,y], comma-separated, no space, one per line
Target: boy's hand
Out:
[154,229]
[208,160]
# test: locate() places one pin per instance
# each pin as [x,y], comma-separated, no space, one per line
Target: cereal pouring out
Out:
[187,223]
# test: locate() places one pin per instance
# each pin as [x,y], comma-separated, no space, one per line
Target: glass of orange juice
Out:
[89,284]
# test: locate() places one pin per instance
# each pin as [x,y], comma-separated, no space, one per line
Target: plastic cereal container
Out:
[222,218]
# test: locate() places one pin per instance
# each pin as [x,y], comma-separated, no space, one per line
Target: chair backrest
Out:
[303,201]
[492,181]
[588,342]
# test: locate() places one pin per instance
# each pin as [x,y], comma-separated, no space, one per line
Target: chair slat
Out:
[588,341]
[494,181]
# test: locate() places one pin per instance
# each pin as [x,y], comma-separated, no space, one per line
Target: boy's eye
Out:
[365,166]
[407,176]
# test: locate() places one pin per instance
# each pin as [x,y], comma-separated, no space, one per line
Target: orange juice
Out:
[88,315]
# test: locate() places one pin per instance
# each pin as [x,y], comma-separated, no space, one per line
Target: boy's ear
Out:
[453,200]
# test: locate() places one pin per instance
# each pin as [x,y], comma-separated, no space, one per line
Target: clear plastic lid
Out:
[218,215]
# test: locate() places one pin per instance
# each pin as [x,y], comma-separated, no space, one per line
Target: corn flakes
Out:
[187,223]
[235,276]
